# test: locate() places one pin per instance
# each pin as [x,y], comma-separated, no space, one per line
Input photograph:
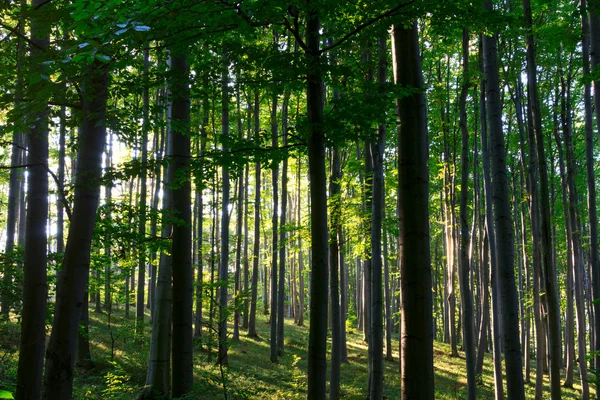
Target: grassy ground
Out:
[121,362]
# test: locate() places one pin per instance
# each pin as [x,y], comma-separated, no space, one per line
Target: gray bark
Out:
[502,219]
[413,204]
[71,285]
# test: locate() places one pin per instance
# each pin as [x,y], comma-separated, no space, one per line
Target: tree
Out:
[502,221]
[35,286]
[317,340]
[72,282]
[466,295]
[178,177]
[413,193]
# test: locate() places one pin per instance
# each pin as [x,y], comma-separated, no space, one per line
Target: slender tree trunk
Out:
[182,294]
[275,225]
[378,205]
[551,286]
[238,256]
[300,254]
[282,233]
[591,186]
[13,188]
[35,284]
[334,249]
[389,309]
[157,379]
[256,251]
[570,324]
[200,272]
[317,340]
[503,226]
[246,259]
[594,28]
[108,246]
[491,239]
[465,291]
[413,199]
[71,286]
[141,248]
[224,261]
[575,237]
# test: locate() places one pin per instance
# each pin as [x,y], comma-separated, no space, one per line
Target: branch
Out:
[59,184]
[295,32]
[15,31]
[365,25]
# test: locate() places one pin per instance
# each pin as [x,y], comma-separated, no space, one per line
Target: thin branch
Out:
[364,25]
[59,184]
[15,31]
[296,32]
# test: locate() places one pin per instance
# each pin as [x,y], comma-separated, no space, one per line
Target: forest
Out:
[266,199]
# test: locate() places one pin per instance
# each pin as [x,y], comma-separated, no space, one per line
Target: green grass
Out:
[250,373]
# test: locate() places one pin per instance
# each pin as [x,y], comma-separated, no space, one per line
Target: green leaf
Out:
[6,394]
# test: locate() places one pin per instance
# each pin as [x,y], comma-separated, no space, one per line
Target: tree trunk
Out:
[594,28]
[300,256]
[141,247]
[465,291]
[413,204]
[491,239]
[378,205]
[503,226]
[591,185]
[317,340]
[179,140]
[275,226]
[282,233]
[71,286]
[551,286]
[200,205]
[575,236]
[334,249]
[224,261]
[157,379]
[256,252]
[35,284]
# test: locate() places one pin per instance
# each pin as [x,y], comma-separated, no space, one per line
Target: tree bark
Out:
[550,284]
[465,290]
[317,340]
[413,198]
[225,188]
[334,249]
[141,247]
[275,233]
[71,286]
[35,284]
[178,177]
[503,226]
[256,251]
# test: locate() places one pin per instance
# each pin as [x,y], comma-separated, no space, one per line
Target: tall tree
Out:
[181,255]
[139,306]
[502,219]
[72,281]
[256,250]
[413,206]
[466,296]
[317,339]
[551,286]
[35,284]
[275,233]
[377,212]
[224,260]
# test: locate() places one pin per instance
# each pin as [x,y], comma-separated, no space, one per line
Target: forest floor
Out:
[121,363]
